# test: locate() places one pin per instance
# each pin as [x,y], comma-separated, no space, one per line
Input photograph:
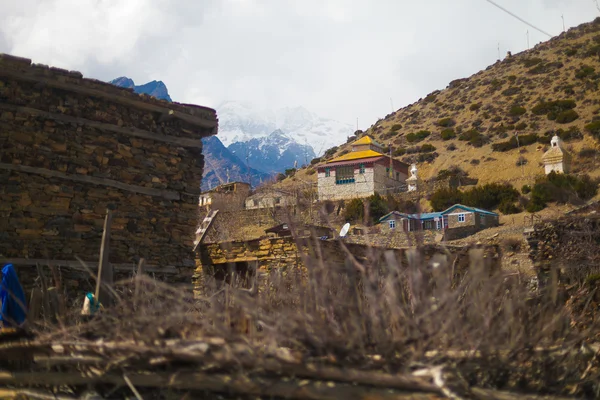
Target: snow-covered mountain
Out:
[241,122]
[273,153]
[219,163]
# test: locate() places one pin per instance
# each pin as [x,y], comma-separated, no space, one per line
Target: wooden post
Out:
[105,271]
[138,277]
[35,305]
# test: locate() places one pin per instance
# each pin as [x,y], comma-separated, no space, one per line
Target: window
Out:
[361,169]
[277,200]
[392,224]
[327,172]
[461,217]
[438,224]
[344,175]
[397,176]
[254,202]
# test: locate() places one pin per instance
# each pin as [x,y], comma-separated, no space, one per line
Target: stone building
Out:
[362,172]
[557,158]
[227,197]
[456,221]
[270,198]
[72,147]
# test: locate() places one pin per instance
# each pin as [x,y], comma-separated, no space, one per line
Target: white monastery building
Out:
[556,159]
[364,171]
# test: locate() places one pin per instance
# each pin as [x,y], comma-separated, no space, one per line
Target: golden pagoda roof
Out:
[355,155]
[366,140]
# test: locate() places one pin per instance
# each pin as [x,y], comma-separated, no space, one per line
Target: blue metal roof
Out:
[470,209]
[424,216]
[433,215]
[386,216]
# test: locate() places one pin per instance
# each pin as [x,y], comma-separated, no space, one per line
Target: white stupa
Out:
[412,181]
[556,159]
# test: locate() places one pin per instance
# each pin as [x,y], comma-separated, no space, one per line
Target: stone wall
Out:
[570,244]
[363,186]
[268,253]
[71,147]
[470,219]
[246,224]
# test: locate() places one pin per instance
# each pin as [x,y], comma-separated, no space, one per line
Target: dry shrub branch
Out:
[418,325]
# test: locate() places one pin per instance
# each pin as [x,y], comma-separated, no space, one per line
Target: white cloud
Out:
[340,58]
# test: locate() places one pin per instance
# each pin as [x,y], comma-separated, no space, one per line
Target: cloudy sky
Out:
[343,59]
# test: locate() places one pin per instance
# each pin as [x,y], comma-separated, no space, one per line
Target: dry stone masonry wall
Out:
[70,147]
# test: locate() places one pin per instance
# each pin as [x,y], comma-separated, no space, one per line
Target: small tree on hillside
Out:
[354,211]
[445,197]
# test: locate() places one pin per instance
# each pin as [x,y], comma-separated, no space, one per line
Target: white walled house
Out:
[556,159]
[361,173]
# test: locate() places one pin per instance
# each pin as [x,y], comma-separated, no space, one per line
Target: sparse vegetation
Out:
[395,128]
[588,152]
[553,108]
[290,172]
[444,198]
[573,133]
[594,129]
[511,91]
[513,143]
[567,116]
[448,134]
[516,111]
[585,72]
[418,136]
[520,126]
[474,138]
[330,152]
[521,161]
[400,151]
[530,62]
[446,122]
[561,188]
[475,106]
[508,207]
[487,197]
[545,68]
[375,205]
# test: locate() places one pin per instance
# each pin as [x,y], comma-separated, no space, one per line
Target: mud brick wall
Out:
[268,253]
[245,224]
[70,147]
[571,245]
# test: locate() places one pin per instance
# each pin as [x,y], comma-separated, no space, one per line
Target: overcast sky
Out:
[343,59]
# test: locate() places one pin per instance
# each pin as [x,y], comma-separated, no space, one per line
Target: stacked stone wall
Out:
[270,253]
[72,147]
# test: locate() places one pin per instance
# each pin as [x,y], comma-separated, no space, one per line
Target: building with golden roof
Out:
[362,172]
[556,159]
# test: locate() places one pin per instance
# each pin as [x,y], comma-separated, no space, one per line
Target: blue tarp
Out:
[12,296]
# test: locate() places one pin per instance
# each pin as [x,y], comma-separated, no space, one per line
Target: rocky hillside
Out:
[553,87]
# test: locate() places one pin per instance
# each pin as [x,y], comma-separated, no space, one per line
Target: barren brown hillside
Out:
[554,87]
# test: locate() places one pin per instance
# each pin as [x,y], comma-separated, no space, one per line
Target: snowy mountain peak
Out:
[273,153]
[241,122]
